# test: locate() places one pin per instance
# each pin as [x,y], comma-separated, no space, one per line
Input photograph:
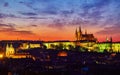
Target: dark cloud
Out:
[50,9]
[46,9]
[66,13]
[110,30]
[91,14]
[98,4]
[49,12]
[93,11]
[2,15]
[76,21]
[29,4]
[6,4]
[10,29]
[7,27]
[28,14]
[33,25]
[44,1]
[57,23]
[35,18]
[97,14]
[23,32]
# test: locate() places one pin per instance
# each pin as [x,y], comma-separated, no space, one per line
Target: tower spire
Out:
[79,33]
[85,31]
[76,34]
[80,29]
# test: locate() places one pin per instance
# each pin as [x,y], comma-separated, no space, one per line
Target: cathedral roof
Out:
[88,35]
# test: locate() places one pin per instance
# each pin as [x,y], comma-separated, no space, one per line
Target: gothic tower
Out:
[76,35]
[79,34]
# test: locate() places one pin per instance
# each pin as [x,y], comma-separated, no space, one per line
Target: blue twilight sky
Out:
[58,19]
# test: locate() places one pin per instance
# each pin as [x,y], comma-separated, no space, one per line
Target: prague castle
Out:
[84,37]
[84,41]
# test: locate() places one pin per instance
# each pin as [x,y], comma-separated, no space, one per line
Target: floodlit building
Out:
[25,46]
[86,40]
[82,42]
[9,50]
[10,53]
[64,44]
[109,46]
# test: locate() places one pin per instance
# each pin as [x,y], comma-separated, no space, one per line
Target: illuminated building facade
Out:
[83,41]
[109,46]
[25,46]
[11,53]
[59,44]
[106,46]
[9,50]
[87,41]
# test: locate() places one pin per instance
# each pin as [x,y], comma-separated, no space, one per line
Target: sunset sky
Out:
[58,19]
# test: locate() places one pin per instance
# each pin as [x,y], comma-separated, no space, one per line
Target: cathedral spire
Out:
[80,29]
[85,31]
[76,34]
[79,33]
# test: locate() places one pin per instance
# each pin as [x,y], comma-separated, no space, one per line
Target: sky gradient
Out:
[58,19]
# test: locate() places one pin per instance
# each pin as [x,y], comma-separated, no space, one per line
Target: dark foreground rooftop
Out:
[75,63]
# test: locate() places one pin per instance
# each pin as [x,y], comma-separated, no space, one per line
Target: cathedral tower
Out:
[76,34]
[80,34]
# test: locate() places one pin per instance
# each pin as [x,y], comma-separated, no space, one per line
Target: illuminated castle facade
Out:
[83,41]
[84,37]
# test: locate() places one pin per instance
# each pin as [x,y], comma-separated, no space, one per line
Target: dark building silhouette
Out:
[84,37]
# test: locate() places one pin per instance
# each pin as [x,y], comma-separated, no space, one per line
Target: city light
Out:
[1,56]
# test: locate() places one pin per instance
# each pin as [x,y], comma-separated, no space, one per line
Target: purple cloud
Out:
[35,18]
[110,30]
[10,29]
[24,32]
[57,23]
[2,15]
[33,25]
[28,14]
[6,4]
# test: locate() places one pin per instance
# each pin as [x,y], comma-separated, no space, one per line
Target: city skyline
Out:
[57,19]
